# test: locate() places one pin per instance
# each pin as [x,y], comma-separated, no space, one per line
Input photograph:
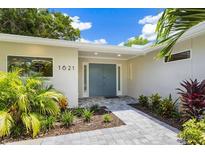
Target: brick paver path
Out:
[139,129]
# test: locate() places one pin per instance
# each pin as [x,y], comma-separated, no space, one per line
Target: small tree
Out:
[136,41]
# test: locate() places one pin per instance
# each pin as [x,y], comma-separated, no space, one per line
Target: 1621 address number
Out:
[66,67]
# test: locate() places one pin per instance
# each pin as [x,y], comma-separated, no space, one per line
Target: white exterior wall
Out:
[102,61]
[64,81]
[151,76]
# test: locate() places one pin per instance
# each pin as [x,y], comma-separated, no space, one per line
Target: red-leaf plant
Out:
[193,98]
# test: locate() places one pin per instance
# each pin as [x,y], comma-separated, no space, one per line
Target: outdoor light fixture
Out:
[119,55]
[95,53]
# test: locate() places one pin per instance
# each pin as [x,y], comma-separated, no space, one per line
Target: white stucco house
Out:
[86,70]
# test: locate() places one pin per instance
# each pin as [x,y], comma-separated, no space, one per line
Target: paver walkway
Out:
[139,129]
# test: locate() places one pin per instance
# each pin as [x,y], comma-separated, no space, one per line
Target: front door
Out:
[102,80]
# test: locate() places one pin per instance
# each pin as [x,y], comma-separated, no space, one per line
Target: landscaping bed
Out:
[174,122]
[79,125]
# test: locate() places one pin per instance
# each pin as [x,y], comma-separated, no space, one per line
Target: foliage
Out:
[24,101]
[143,100]
[193,132]
[95,108]
[107,118]
[193,98]
[63,103]
[136,41]
[37,22]
[78,112]
[67,118]
[6,123]
[17,131]
[87,114]
[48,123]
[173,23]
[167,107]
[155,100]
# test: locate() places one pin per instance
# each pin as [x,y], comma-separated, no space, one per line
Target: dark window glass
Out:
[178,56]
[118,78]
[31,65]
[85,78]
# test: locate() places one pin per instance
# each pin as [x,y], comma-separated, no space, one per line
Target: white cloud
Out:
[150,19]
[98,41]
[121,44]
[150,23]
[79,24]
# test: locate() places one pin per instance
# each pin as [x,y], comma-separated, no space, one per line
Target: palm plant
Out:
[173,24]
[23,101]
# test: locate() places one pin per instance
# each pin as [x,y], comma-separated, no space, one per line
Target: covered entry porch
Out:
[104,72]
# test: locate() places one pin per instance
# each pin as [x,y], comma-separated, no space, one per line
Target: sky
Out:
[113,26]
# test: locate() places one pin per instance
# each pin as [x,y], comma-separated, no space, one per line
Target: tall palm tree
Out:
[173,24]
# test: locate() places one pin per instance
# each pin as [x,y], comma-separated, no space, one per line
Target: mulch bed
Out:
[79,126]
[177,123]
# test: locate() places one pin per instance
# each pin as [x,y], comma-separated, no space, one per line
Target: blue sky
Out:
[113,26]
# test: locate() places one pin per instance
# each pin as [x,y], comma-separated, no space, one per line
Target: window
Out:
[85,77]
[31,65]
[119,88]
[178,56]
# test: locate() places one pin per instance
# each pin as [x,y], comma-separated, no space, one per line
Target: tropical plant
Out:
[37,22]
[143,101]
[95,107]
[173,24]
[24,101]
[155,100]
[78,112]
[87,115]
[136,41]
[167,107]
[107,118]
[193,132]
[193,98]
[63,103]
[67,118]
[48,123]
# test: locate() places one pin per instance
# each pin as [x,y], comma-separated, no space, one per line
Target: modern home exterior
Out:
[89,70]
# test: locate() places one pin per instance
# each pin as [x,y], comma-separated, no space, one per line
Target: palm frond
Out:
[6,123]
[31,123]
[173,24]
[33,82]
[23,102]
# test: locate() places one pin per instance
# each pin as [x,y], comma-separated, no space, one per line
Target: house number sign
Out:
[66,67]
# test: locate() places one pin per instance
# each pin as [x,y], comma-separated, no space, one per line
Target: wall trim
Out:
[110,58]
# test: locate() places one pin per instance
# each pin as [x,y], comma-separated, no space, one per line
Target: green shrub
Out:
[193,132]
[87,114]
[155,100]
[107,118]
[143,101]
[48,123]
[67,118]
[95,108]
[23,101]
[167,107]
[78,112]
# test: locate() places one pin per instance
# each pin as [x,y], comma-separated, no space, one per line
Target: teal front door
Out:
[102,80]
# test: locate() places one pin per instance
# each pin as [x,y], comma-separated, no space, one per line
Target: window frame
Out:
[186,50]
[31,56]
